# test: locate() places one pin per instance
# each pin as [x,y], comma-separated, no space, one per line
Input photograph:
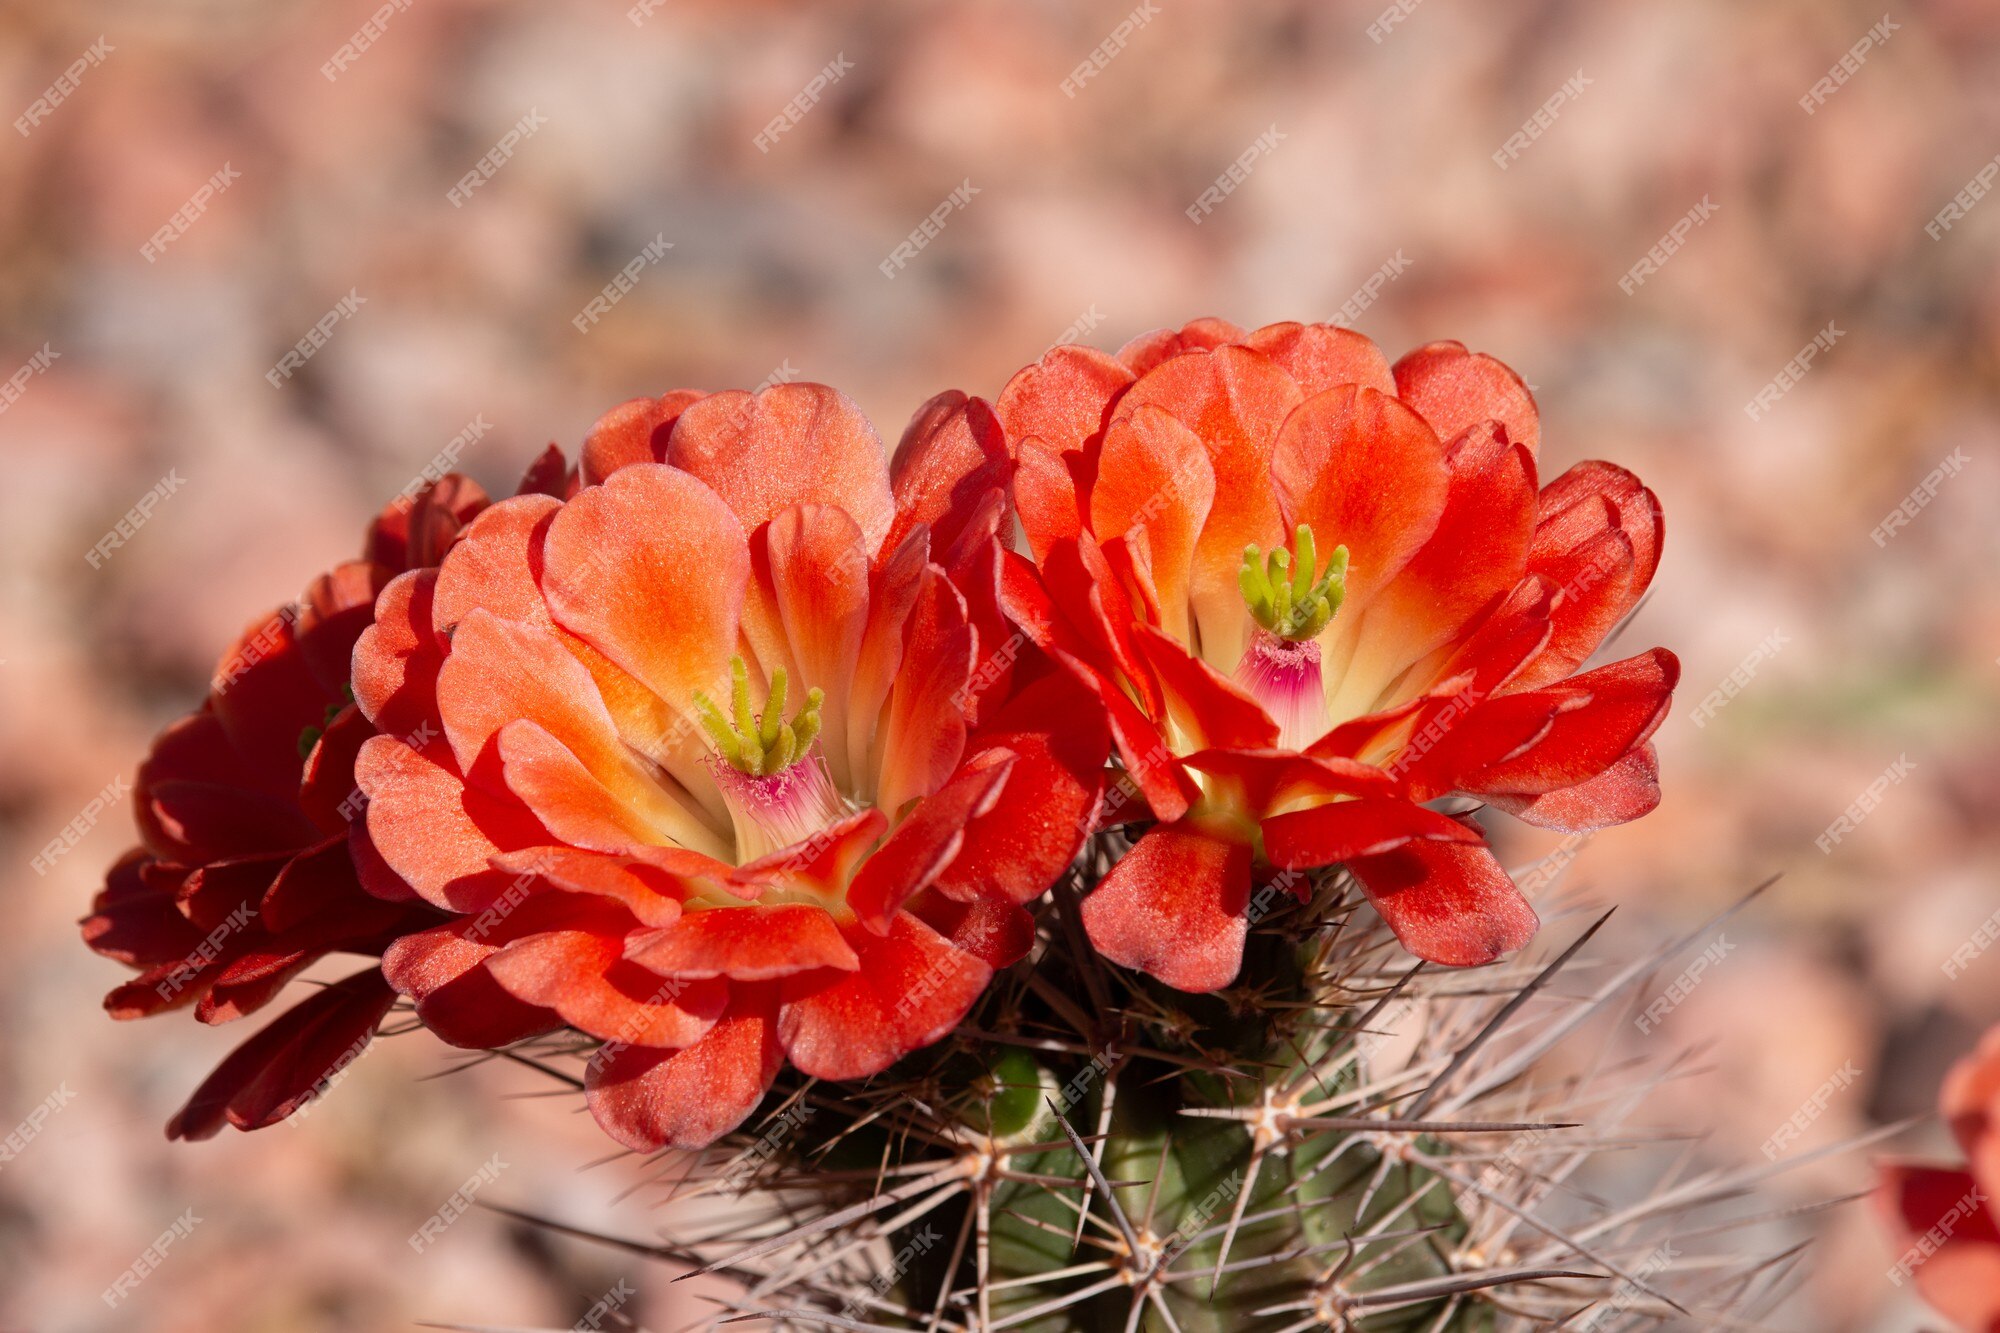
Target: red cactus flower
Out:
[724,760]
[244,877]
[1315,593]
[1945,1219]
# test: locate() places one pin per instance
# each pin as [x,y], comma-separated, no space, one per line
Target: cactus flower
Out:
[1944,1218]
[716,760]
[1317,594]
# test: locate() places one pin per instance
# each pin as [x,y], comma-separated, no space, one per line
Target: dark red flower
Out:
[245,875]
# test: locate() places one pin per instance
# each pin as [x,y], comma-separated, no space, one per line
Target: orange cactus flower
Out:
[724,759]
[1944,1218]
[1316,593]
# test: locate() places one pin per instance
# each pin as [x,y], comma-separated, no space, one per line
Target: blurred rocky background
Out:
[1500,172]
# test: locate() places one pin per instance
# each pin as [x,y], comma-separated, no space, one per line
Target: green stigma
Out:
[759,744]
[1283,595]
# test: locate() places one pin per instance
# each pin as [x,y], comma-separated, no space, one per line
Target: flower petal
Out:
[1344,830]
[1324,356]
[1448,902]
[925,843]
[647,1098]
[1174,907]
[649,570]
[912,988]
[1154,475]
[635,431]
[790,444]
[952,454]
[1453,389]
[745,943]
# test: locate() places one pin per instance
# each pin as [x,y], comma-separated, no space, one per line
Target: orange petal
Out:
[647,1098]
[1155,475]
[635,431]
[1174,907]
[1448,902]
[492,567]
[649,569]
[1453,389]
[790,444]
[951,455]
[912,988]
[1234,401]
[1324,356]
[745,943]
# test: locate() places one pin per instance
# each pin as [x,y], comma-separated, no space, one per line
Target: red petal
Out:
[441,969]
[635,431]
[1059,739]
[1601,716]
[923,737]
[1174,908]
[1454,389]
[912,988]
[1960,1276]
[1448,902]
[952,454]
[1325,356]
[790,444]
[926,842]
[1620,794]
[582,974]
[283,1066]
[494,566]
[1210,709]
[1197,335]
[434,831]
[647,1098]
[136,922]
[998,934]
[1344,830]
[745,944]
[1061,402]
[1367,474]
